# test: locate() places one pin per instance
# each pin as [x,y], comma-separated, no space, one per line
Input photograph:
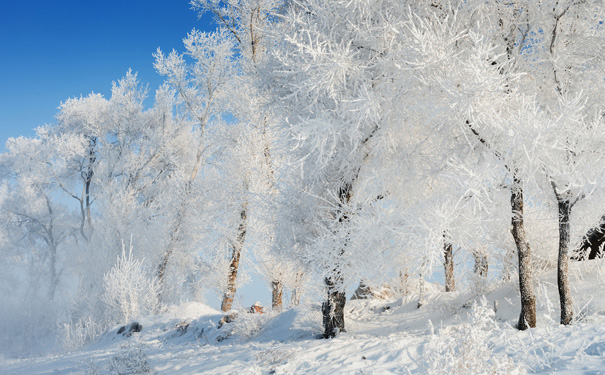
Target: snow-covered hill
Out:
[453,333]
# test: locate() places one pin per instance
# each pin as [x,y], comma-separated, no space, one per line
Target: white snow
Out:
[383,337]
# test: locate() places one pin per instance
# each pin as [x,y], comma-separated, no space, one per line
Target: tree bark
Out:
[87,176]
[403,283]
[333,309]
[236,251]
[175,233]
[593,240]
[297,290]
[277,291]
[421,291]
[563,262]
[448,265]
[527,318]
[481,264]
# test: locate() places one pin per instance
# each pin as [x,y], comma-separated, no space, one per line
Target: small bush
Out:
[128,292]
[74,334]
[130,360]
[467,350]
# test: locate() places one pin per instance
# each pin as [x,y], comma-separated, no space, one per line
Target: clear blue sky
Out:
[51,50]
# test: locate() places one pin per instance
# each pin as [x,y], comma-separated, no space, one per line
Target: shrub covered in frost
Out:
[467,349]
[128,291]
[130,360]
[77,332]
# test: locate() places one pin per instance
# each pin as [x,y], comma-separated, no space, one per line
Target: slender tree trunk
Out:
[480,271]
[277,291]
[52,247]
[481,264]
[175,233]
[563,262]
[236,252]
[54,275]
[333,308]
[527,318]
[92,158]
[403,283]
[297,291]
[88,202]
[172,242]
[448,265]
[421,291]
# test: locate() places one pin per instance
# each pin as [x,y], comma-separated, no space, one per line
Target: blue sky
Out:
[53,50]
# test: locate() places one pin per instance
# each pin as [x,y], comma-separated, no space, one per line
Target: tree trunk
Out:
[88,175]
[54,275]
[297,290]
[333,309]
[480,272]
[172,242]
[421,291]
[481,264]
[296,293]
[563,262]
[508,268]
[527,318]
[403,283]
[277,291]
[236,252]
[593,240]
[175,233]
[448,265]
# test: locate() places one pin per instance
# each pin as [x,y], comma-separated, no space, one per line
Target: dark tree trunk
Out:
[236,252]
[563,262]
[527,318]
[421,291]
[448,265]
[593,240]
[333,309]
[277,291]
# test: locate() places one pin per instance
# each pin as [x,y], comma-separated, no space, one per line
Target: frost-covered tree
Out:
[409,92]
[329,79]
[568,91]
[249,22]
[509,72]
[203,78]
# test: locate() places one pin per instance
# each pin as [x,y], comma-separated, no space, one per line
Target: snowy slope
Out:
[451,333]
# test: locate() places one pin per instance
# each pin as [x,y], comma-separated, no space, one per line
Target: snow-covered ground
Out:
[453,333]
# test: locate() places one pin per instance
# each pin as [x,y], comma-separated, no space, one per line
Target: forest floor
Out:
[452,333]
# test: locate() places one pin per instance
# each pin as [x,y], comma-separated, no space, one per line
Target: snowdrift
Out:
[452,333]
